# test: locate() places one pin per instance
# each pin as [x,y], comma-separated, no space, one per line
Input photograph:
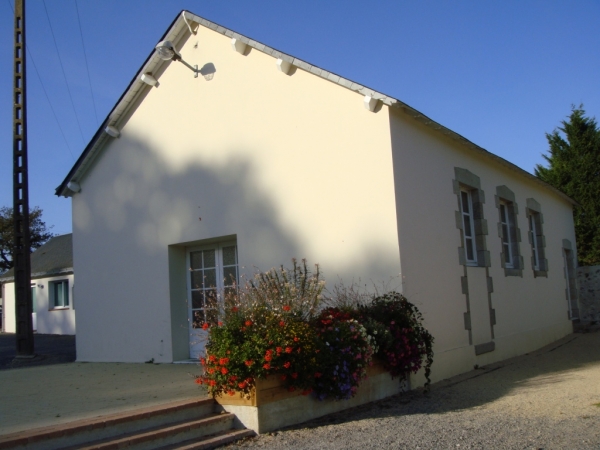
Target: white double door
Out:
[212,273]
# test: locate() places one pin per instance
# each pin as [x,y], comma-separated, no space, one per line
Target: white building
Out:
[264,157]
[51,289]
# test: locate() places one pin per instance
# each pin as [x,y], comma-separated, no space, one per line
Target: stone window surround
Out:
[466,179]
[503,193]
[534,209]
[571,290]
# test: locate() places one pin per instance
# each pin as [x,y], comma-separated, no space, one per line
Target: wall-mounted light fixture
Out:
[74,186]
[166,50]
[112,131]
[149,79]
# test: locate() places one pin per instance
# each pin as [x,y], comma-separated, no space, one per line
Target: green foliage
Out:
[574,168]
[270,326]
[39,234]
[406,344]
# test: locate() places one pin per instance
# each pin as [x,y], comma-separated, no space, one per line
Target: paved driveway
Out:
[548,399]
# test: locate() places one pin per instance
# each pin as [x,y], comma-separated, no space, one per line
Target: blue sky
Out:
[502,74]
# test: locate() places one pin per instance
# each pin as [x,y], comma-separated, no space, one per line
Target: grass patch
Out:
[597,404]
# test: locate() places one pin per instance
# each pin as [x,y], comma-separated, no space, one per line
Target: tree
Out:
[574,168]
[39,234]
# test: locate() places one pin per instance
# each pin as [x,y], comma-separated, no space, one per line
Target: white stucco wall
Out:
[49,320]
[530,312]
[291,165]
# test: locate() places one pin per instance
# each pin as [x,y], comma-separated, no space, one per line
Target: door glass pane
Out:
[197,297]
[212,316]
[198,319]
[230,276]
[197,279]
[210,299]
[196,260]
[209,258]
[229,257]
[210,278]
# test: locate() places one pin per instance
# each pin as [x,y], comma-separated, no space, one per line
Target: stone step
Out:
[213,441]
[171,434]
[176,417]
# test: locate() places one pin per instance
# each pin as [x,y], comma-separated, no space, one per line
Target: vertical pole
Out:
[22,266]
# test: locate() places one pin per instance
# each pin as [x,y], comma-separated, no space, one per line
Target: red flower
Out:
[242,385]
[268,357]
[211,370]
[267,366]
[248,323]
[224,370]
[234,309]
[212,382]
[279,350]
[286,308]
[223,361]
[294,375]
[198,380]
[205,326]
[282,324]
[212,358]
[231,393]
[296,339]
[307,391]
[287,365]
[203,361]
[289,349]
[220,324]
[249,362]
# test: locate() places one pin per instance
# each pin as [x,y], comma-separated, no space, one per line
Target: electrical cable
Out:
[87,68]
[63,72]
[46,93]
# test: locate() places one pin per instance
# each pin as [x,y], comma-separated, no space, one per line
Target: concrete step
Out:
[161,436]
[213,441]
[147,428]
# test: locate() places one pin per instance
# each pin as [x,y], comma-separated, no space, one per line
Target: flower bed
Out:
[274,333]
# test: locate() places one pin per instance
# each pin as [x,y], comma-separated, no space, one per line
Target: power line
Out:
[63,72]
[46,94]
[86,65]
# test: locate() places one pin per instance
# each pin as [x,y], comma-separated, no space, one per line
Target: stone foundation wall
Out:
[588,279]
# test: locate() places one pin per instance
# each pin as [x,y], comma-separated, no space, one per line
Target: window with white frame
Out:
[507,225]
[466,205]
[539,262]
[59,294]
[213,274]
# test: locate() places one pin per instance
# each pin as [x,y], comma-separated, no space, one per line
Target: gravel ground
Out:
[549,399]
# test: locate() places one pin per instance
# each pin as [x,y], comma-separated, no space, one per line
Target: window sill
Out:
[540,273]
[60,308]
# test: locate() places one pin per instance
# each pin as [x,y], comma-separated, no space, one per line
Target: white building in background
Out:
[52,285]
[264,157]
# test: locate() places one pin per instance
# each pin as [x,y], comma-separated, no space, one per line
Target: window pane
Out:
[504,233]
[230,276]
[212,316]
[229,256]
[467,226]
[197,279]
[465,201]
[33,298]
[65,293]
[209,258]
[210,277]
[196,260]
[197,297]
[470,253]
[507,254]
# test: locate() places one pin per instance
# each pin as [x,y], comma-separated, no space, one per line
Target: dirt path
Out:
[548,399]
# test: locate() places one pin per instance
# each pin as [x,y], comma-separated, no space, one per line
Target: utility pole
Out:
[21,257]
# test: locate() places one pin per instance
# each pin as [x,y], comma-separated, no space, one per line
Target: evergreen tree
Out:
[574,168]
[38,234]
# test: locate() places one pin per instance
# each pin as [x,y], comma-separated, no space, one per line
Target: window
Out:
[536,238]
[508,231]
[466,204]
[59,294]
[469,219]
[213,273]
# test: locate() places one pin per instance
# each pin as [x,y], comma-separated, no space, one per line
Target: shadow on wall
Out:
[56,322]
[158,204]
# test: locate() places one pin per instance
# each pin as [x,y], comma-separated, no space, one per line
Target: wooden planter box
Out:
[271,406]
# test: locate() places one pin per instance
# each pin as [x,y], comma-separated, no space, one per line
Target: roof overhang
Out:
[185,24]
